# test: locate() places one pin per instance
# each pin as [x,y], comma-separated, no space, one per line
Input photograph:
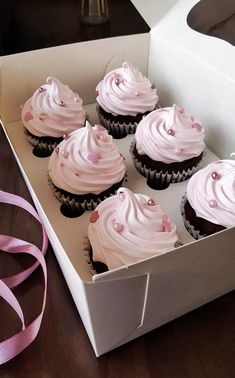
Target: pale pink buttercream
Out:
[86,161]
[126,91]
[169,135]
[211,193]
[53,110]
[128,228]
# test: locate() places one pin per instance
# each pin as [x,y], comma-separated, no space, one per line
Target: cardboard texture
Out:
[145,295]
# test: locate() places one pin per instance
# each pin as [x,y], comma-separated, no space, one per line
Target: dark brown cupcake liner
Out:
[87,253]
[115,128]
[94,267]
[75,205]
[120,126]
[201,227]
[43,146]
[190,228]
[155,176]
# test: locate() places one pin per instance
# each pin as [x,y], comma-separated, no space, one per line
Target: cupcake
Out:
[127,228]
[168,146]
[123,97]
[85,168]
[209,203]
[54,110]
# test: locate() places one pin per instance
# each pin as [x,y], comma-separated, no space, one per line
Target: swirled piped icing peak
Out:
[128,228]
[126,91]
[53,110]
[170,135]
[86,161]
[211,193]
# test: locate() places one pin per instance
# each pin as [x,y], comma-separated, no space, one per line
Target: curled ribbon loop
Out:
[14,345]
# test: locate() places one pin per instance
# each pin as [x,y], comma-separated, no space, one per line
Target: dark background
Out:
[34,24]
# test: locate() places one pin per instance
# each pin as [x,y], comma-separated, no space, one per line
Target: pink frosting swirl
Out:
[211,193]
[169,135]
[53,110]
[86,161]
[129,227]
[125,91]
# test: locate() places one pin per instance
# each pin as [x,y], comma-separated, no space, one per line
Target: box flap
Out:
[216,53]
[118,306]
[197,72]
[153,10]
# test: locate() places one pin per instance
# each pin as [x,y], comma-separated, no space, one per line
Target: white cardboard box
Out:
[142,296]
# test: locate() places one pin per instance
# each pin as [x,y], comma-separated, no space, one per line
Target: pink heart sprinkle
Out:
[118,227]
[94,216]
[93,157]
[166,226]
[197,126]
[28,116]
[99,128]
[100,137]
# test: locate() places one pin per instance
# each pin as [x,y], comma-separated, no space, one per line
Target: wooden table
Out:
[197,345]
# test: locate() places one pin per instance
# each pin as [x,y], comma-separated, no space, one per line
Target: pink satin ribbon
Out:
[14,345]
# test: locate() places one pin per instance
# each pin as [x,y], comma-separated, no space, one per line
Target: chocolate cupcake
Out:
[127,228]
[54,110]
[84,169]
[209,203]
[124,96]
[168,146]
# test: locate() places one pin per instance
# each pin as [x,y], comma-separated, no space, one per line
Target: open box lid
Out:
[196,71]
